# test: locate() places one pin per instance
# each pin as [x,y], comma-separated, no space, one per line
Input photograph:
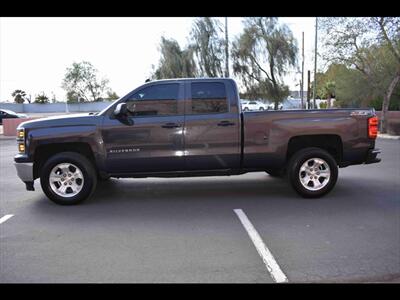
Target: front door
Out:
[154,140]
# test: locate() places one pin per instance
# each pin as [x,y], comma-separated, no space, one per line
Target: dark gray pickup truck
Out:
[191,127]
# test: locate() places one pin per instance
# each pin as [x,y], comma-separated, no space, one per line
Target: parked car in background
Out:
[272,106]
[9,114]
[248,105]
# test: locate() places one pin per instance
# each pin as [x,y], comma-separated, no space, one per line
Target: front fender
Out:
[87,134]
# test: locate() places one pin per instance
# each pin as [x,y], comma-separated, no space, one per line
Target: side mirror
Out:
[121,109]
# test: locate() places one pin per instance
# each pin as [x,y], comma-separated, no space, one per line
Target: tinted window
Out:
[209,97]
[156,100]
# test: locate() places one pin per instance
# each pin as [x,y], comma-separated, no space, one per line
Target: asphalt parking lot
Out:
[186,229]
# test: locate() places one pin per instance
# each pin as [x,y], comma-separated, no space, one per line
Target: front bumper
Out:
[25,173]
[372,156]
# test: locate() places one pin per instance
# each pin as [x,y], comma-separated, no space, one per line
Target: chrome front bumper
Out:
[25,171]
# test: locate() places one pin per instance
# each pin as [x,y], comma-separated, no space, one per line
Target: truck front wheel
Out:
[312,172]
[68,178]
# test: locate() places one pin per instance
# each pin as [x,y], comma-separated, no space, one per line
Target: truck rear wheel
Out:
[312,172]
[68,178]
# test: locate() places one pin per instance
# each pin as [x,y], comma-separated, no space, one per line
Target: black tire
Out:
[261,108]
[88,172]
[298,159]
[246,109]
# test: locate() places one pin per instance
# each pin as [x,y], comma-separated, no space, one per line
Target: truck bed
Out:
[267,135]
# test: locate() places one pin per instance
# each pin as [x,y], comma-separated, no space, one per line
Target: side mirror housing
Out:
[121,112]
[121,109]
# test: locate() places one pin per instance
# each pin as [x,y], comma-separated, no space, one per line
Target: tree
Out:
[53,98]
[390,36]
[327,81]
[208,46]
[42,98]
[81,81]
[174,62]
[329,91]
[111,95]
[262,55]
[369,45]
[73,97]
[19,96]
[352,88]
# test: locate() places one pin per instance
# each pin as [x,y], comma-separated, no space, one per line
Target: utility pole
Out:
[315,63]
[300,84]
[302,72]
[226,48]
[308,89]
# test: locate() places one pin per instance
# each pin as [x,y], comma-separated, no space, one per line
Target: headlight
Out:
[21,140]
[21,134]
[21,148]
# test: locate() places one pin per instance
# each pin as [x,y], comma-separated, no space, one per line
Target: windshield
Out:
[104,110]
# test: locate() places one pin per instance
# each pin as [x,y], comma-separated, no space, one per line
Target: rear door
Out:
[212,125]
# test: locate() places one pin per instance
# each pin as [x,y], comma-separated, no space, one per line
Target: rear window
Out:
[209,98]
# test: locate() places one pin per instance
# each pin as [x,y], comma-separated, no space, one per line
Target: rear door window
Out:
[209,98]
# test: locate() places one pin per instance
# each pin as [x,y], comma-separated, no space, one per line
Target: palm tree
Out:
[19,96]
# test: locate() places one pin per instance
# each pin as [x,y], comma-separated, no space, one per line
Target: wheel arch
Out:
[45,151]
[331,143]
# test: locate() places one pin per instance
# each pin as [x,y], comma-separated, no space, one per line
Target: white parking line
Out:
[5,218]
[269,261]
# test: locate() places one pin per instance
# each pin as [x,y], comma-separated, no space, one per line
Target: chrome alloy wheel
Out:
[314,174]
[66,180]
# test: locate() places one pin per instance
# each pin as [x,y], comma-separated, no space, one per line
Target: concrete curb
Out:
[4,137]
[388,136]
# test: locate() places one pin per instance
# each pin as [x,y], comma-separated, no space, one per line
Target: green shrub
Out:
[394,103]
[323,105]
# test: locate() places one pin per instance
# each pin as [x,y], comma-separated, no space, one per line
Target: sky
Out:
[35,52]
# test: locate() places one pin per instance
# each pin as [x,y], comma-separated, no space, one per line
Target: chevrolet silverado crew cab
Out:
[191,127]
